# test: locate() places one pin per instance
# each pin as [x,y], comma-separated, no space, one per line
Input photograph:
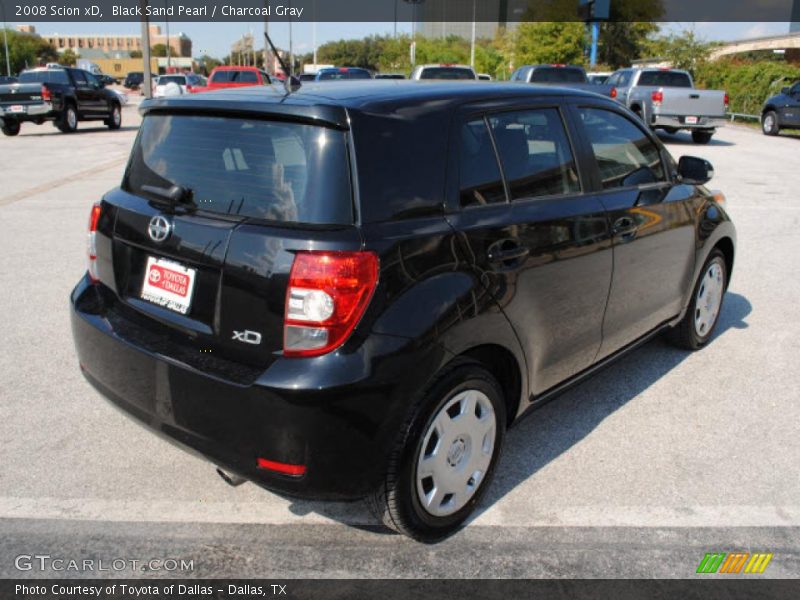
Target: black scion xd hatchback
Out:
[352,291]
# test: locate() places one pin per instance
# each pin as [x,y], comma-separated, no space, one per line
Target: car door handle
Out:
[503,252]
[625,227]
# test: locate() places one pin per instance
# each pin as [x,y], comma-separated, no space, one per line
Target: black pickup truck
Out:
[62,95]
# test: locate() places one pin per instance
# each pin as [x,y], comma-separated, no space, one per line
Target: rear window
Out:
[665,79]
[277,171]
[558,75]
[165,79]
[235,77]
[446,73]
[344,74]
[48,76]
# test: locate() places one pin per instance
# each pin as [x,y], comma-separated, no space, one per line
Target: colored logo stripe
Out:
[733,562]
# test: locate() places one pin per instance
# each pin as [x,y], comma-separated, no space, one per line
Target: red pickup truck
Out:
[232,76]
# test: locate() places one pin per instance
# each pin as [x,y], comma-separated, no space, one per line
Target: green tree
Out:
[159,50]
[684,50]
[68,57]
[135,54]
[26,50]
[208,63]
[545,42]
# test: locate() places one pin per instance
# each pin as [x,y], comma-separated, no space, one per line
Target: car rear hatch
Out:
[211,212]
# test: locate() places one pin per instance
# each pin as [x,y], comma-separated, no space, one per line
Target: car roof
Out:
[377,96]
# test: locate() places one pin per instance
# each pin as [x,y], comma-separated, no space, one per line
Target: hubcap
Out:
[769,121]
[72,119]
[116,116]
[456,453]
[709,299]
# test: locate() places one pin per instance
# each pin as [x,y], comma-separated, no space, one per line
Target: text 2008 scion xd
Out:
[353,290]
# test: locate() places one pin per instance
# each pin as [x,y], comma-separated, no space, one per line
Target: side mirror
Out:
[785,90]
[693,170]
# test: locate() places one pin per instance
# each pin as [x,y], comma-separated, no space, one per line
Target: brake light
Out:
[328,293]
[46,96]
[613,92]
[558,66]
[658,97]
[726,100]
[188,87]
[91,242]
[279,467]
[343,69]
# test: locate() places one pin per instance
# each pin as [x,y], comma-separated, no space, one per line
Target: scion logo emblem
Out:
[247,336]
[159,228]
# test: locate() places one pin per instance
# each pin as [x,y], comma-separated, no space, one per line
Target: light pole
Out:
[472,42]
[413,4]
[148,88]
[166,20]
[5,40]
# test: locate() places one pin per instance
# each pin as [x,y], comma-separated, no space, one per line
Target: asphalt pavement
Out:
[636,473]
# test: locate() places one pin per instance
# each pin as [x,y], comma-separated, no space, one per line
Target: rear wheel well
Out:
[725,246]
[501,363]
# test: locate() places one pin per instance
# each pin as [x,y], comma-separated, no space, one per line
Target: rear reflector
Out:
[279,467]
[726,100]
[91,242]
[46,96]
[327,295]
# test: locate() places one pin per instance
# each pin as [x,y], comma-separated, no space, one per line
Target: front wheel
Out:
[114,120]
[702,137]
[694,331]
[445,455]
[769,123]
[10,127]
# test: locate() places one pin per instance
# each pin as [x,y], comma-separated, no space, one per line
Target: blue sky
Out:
[215,39]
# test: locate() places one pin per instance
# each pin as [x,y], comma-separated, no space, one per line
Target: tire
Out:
[697,326]
[10,127]
[769,123]
[115,120]
[702,137]
[429,508]
[68,121]
[670,130]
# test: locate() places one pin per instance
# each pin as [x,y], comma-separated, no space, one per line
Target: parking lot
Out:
[636,473]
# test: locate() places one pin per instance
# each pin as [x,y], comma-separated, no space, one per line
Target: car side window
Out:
[91,79]
[535,153]
[624,78]
[625,155]
[613,80]
[795,89]
[479,173]
[78,75]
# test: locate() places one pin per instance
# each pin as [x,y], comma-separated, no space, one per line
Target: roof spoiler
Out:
[291,83]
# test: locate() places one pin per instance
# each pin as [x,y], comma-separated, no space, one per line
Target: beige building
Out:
[114,46]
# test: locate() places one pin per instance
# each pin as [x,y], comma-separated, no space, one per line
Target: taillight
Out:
[279,467]
[91,245]
[726,100]
[327,295]
[613,92]
[658,97]
[46,96]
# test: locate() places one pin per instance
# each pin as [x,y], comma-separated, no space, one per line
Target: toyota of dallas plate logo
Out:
[159,228]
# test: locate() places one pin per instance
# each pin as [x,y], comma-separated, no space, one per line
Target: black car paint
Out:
[786,106]
[536,321]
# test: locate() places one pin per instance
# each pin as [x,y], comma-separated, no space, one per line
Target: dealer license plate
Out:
[168,284]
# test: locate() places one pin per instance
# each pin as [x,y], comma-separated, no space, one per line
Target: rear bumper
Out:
[32,111]
[679,122]
[338,416]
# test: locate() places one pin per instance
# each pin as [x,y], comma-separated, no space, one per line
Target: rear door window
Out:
[479,173]
[535,153]
[558,75]
[48,76]
[625,155]
[446,73]
[277,171]
[665,79]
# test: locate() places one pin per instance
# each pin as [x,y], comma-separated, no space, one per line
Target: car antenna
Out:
[291,83]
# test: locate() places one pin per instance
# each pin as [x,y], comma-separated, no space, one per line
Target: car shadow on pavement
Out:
[79,131]
[547,432]
[685,139]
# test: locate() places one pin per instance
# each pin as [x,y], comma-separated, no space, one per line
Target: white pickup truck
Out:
[667,99]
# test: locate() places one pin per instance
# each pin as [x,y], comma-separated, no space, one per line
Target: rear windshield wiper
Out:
[177,194]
